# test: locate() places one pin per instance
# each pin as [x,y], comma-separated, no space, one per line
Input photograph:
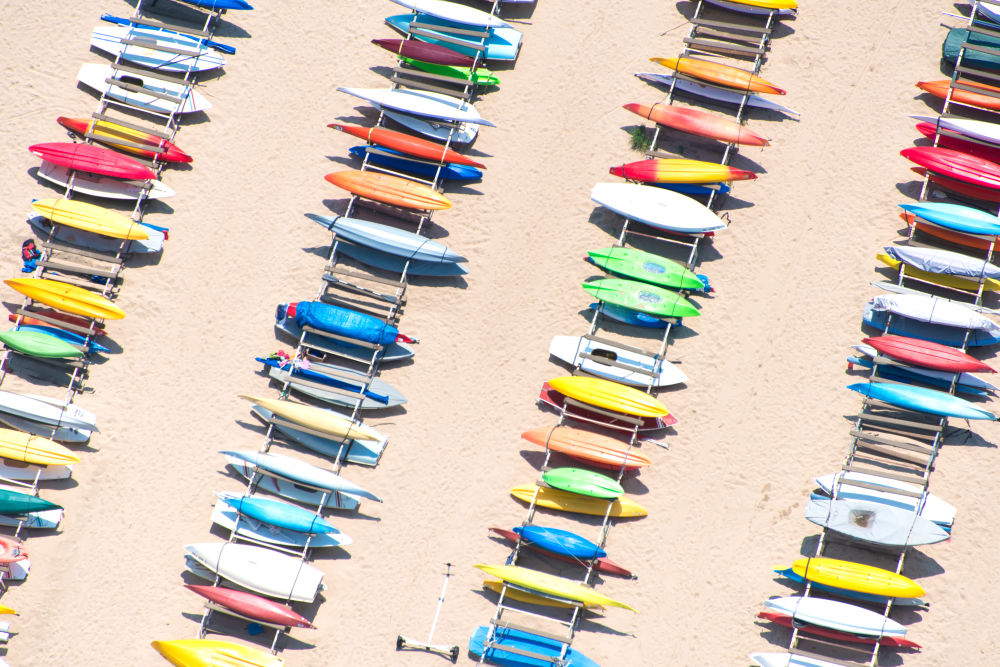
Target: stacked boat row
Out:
[606,408]
[878,506]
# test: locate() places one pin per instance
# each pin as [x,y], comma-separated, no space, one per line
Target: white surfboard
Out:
[260,569]
[875,522]
[420,103]
[226,516]
[977,129]
[572,348]
[302,472]
[35,408]
[16,470]
[715,94]
[146,51]
[450,11]
[286,489]
[95,76]
[931,507]
[390,239]
[657,207]
[106,187]
[362,452]
[465,133]
[836,616]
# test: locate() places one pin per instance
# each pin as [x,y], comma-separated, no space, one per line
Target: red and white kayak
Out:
[926,354]
[95,159]
[956,165]
[700,123]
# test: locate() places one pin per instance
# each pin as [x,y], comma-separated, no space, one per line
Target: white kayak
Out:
[934,310]
[61,434]
[226,516]
[874,522]
[977,129]
[456,13]
[930,506]
[787,660]
[16,470]
[465,133]
[836,616]
[292,491]
[260,569]
[362,452]
[713,93]
[106,187]
[47,411]
[935,260]
[657,207]
[572,349]
[183,98]
[44,520]
[146,48]
[420,103]
[388,239]
[302,473]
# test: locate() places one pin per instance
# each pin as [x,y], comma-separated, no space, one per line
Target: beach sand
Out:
[763,413]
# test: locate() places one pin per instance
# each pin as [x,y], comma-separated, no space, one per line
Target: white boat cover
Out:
[933,310]
[874,522]
[934,260]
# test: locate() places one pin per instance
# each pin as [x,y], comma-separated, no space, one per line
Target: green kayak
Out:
[482,77]
[38,344]
[643,297]
[647,267]
[15,502]
[584,482]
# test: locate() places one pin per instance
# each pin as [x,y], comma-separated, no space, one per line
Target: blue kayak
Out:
[221,4]
[278,513]
[68,336]
[523,641]
[629,316]
[502,43]
[560,542]
[340,322]
[936,333]
[921,399]
[960,218]
[395,161]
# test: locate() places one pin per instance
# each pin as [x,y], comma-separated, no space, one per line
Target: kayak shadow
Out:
[964,437]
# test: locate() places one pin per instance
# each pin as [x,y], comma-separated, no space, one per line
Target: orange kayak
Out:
[389,189]
[596,449]
[680,170]
[724,75]
[700,123]
[940,89]
[404,143]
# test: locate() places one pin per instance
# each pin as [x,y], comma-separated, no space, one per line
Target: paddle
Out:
[218,46]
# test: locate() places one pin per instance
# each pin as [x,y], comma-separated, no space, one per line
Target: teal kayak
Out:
[958,36]
[584,482]
[647,267]
[961,218]
[642,297]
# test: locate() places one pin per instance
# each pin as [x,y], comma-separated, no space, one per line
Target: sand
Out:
[763,413]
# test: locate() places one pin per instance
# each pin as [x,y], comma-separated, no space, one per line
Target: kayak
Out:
[317,419]
[550,585]
[341,322]
[69,298]
[320,342]
[874,522]
[791,575]
[724,75]
[391,190]
[480,77]
[34,449]
[680,170]
[39,344]
[657,207]
[434,54]
[56,315]
[984,101]
[564,501]
[362,452]
[396,264]
[623,363]
[965,383]
[17,503]
[75,339]
[609,395]
[396,161]
[583,482]
[389,239]
[300,472]
[551,397]
[722,95]
[213,652]
[856,577]
[155,49]
[253,606]
[520,595]
[937,311]
[95,159]
[941,273]
[836,616]
[500,44]
[561,540]
[788,621]
[558,541]
[405,143]
[112,134]
[277,513]
[638,264]
[888,491]
[965,219]
[421,103]
[929,130]
[511,647]
[594,448]
[977,129]
[643,297]
[90,218]
[956,165]
[697,122]
[922,399]
[454,12]
[927,354]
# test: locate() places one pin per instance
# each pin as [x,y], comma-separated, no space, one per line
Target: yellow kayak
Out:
[7,610]
[66,297]
[550,584]
[768,4]
[317,419]
[554,499]
[90,218]
[19,446]
[958,282]
[609,395]
[531,598]
[214,653]
[856,577]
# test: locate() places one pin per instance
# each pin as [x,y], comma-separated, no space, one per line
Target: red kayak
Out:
[424,52]
[553,398]
[121,137]
[252,606]
[956,165]
[809,629]
[961,187]
[97,160]
[927,354]
[601,564]
[700,123]
[56,315]
[595,449]
[979,150]
[404,143]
